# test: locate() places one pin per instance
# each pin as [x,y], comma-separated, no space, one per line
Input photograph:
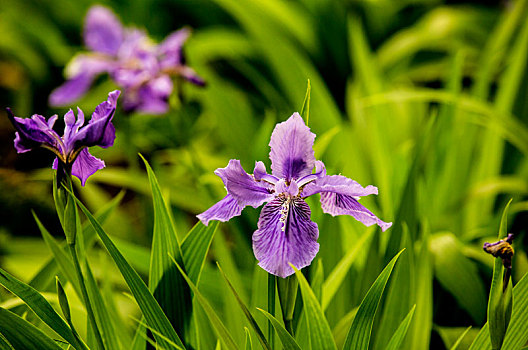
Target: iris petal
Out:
[103,32]
[223,211]
[85,165]
[100,131]
[340,204]
[243,186]
[291,144]
[285,235]
[34,132]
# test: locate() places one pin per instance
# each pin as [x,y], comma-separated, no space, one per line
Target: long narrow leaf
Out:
[40,306]
[194,248]
[288,342]
[397,338]
[165,282]
[246,312]
[22,335]
[146,301]
[218,325]
[358,337]
[318,328]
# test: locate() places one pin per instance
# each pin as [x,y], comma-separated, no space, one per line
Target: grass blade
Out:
[40,307]
[23,335]
[195,247]
[164,280]
[248,315]
[397,338]
[288,342]
[459,340]
[358,337]
[338,274]
[146,301]
[318,328]
[221,330]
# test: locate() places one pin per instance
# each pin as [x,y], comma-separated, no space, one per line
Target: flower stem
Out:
[84,293]
[271,307]
[287,288]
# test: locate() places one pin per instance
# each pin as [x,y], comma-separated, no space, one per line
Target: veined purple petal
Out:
[243,186]
[34,132]
[103,32]
[285,235]
[223,211]
[340,204]
[291,144]
[71,127]
[100,131]
[338,184]
[260,174]
[85,165]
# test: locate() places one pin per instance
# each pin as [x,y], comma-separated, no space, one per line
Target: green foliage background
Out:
[424,99]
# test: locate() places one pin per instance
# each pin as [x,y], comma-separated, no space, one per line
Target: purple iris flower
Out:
[142,68]
[285,231]
[71,149]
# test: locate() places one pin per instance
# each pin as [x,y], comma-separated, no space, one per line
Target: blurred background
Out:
[425,99]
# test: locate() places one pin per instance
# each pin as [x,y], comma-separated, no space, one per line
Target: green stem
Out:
[84,293]
[271,307]
[287,288]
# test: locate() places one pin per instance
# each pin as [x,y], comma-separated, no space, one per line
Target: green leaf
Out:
[111,337]
[288,342]
[317,325]
[62,259]
[249,344]
[420,332]
[458,274]
[459,340]
[4,344]
[63,302]
[516,335]
[219,327]
[146,301]
[246,312]
[305,110]
[337,276]
[194,248]
[500,298]
[397,338]
[165,282]
[22,335]
[358,337]
[40,307]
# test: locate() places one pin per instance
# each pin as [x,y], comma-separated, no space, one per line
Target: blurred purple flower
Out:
[142,68]
[71,149]
[285,232]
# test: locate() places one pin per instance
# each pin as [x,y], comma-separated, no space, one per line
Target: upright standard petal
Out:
[223,211]
[291,144]
[100,131]
[242,186]
[103,32]
[34,132]
[340,204]
[85,165]
[170,50]
[285,235]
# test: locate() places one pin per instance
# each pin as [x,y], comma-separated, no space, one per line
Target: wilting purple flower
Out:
[502,249]
[71,149]
[142,68]
[285,232]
